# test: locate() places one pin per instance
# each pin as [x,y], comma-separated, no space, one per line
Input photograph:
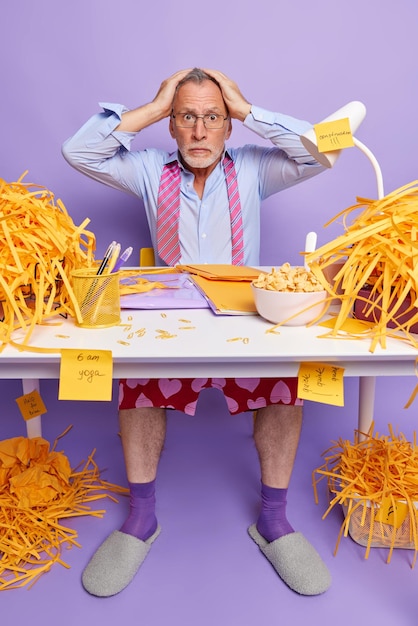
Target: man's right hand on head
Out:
[165,94]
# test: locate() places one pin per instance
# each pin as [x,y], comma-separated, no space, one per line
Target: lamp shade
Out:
[355,111]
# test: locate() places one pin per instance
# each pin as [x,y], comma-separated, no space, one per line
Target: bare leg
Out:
[276,434]
[143,435]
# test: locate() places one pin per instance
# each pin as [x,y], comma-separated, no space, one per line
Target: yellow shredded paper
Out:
[379,249]
[365,476]
[39,247]
[38,489]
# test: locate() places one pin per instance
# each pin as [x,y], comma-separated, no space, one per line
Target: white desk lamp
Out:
[355,112]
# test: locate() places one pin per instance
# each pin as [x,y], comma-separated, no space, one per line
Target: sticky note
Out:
[388,509]
[321,382]
[85,375]
[334,135]
[31,405]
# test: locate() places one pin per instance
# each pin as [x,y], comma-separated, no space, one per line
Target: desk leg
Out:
[34,425]
[366,403]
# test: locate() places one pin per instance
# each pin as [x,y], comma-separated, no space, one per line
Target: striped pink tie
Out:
[234,211]
[168,213]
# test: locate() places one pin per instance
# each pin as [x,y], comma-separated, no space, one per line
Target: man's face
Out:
[200,147]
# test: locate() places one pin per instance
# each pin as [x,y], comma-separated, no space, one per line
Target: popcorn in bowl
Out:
[288,295]
[288,278]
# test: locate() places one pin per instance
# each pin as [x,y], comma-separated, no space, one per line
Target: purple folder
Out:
[182,295]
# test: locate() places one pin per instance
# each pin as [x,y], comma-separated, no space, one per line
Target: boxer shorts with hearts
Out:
[241,394]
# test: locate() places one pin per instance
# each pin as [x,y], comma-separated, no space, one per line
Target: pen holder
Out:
[98,297]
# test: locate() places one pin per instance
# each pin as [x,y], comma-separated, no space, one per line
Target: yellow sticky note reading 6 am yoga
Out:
[321,382]
[334,135]
[85,375]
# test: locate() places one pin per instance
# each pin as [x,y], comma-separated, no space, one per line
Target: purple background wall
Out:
[302,57]
[58,60]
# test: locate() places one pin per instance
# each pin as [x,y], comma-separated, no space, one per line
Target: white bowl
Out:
[294,308]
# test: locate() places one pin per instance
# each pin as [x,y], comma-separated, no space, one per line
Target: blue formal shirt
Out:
[103,153]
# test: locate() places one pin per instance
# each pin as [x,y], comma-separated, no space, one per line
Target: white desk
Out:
[204,351]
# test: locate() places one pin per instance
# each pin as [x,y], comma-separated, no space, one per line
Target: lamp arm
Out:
[367,383]
[376,166]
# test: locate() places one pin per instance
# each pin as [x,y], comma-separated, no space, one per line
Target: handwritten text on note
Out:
[31,405]
[85,375]
[321,382]
[334,135]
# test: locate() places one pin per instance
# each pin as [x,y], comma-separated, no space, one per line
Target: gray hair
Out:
[197,76]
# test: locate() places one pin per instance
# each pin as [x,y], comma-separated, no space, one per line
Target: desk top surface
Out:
[196,335]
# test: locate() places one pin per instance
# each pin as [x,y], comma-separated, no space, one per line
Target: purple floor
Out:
[209,572]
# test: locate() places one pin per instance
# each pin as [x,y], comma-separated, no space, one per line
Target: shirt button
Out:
[203,235]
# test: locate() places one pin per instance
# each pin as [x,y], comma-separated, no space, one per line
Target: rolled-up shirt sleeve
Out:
[286,162]
[282,130]
[96,147]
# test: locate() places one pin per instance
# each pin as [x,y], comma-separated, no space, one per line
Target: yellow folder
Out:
[222,271]
[227,288]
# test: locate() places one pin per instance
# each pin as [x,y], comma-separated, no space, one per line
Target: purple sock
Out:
[272,522]
[141,521]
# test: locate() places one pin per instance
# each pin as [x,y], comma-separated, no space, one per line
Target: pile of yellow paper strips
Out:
[375,480]
[39,247]
[38,489]
[379,248]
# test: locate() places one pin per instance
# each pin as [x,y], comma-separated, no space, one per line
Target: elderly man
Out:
[203,206]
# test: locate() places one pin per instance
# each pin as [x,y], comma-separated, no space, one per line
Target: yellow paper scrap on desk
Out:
[350,325]
[321,382]
[85,375]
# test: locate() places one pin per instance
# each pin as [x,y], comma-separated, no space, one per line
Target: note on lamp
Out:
[355,113]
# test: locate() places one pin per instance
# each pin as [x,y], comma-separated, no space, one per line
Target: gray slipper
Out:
[296,561]
[115,563]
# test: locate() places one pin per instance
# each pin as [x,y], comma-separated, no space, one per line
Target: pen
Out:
[122,259]
[87,302]
[114,258]
[106,258]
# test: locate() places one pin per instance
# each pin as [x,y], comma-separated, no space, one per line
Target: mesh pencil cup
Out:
[98,297]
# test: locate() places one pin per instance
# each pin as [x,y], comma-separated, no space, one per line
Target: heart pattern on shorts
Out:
[232,405]
[218,383]
[190,409]
[133,382]
[198,384]
[256,404]
[248,383]
[169,386]
[281,392]
[142,401]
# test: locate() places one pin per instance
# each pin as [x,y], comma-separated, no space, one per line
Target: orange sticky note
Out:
[334,135]
[392,513]
[31,405]
[321,382]
[85,375]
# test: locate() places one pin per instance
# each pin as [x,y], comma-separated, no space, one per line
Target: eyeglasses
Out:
[189,120]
